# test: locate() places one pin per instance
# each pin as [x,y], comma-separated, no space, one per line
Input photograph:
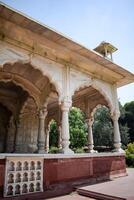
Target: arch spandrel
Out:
[84,80]
[10,55]
[78,80]
[52,70]
[106,90]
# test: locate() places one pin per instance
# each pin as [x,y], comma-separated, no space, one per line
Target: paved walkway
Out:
[72,196]
[120,187]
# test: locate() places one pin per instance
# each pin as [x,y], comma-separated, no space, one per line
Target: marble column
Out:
[18,138]
[90,135]
[65,106]
[59,137]
[47,139]
[117,138]
[41,133]
[10,141]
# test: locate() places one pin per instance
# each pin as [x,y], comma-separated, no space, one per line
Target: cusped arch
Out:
[9,105]
[96,86]
[50,120]
[43,71]
[20,81]
[93,111]
[27,103]
[49,76]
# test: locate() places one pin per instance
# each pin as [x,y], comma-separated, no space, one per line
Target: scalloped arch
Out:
[44,72]
[95,108]
[34,93]
[5,80]
[48,123]
[99,89]
[26,103]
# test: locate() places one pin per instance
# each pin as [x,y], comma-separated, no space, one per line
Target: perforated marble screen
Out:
[23,175]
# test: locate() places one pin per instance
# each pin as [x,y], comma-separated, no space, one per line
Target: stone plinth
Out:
[72,170]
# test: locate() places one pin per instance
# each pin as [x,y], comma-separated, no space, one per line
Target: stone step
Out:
[99,196]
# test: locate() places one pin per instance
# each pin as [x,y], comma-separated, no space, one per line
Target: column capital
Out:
[90,121]
[115,115]
[43,113]
[65,105]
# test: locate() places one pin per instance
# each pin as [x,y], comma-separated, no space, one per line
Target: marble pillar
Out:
[10,142]
[47,139]
[117,137]
[65,106]
[90,135]
[41,133]
[59,137]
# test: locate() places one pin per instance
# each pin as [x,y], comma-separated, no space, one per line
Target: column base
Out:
[42,151]
[120,150]
[92,151]
[66,151]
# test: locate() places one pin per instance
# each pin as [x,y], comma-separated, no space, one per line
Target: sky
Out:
[90,22]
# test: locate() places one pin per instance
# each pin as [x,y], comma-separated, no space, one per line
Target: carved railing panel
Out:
[24,175]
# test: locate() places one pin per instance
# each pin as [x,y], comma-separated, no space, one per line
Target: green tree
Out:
[129,118]
[78,135]
[103,128]
[53,134]
[124,130]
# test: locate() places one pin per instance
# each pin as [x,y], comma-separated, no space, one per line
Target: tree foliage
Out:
[78,133]
[129,118]
[102,128]
[130,155]
[53,134]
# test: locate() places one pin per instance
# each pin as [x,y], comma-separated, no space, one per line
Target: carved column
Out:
[117,138]
[90,135]
[115,114]
[18,138]
[11,136]
[59,137]
[47,140]
[65,106]
[41,133]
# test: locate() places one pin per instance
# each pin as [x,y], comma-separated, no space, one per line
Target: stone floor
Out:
[72,196]
[120,188]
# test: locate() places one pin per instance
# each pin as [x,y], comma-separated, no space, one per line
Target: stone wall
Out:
[76,169]
[70,172]
[2,174]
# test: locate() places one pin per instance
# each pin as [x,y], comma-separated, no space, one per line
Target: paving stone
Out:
[122,187]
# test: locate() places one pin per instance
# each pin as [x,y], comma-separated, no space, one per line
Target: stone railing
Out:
[23,175]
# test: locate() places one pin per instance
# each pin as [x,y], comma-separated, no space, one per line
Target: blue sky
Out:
[89,22]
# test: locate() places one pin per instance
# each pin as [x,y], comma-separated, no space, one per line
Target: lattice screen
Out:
[23,175]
